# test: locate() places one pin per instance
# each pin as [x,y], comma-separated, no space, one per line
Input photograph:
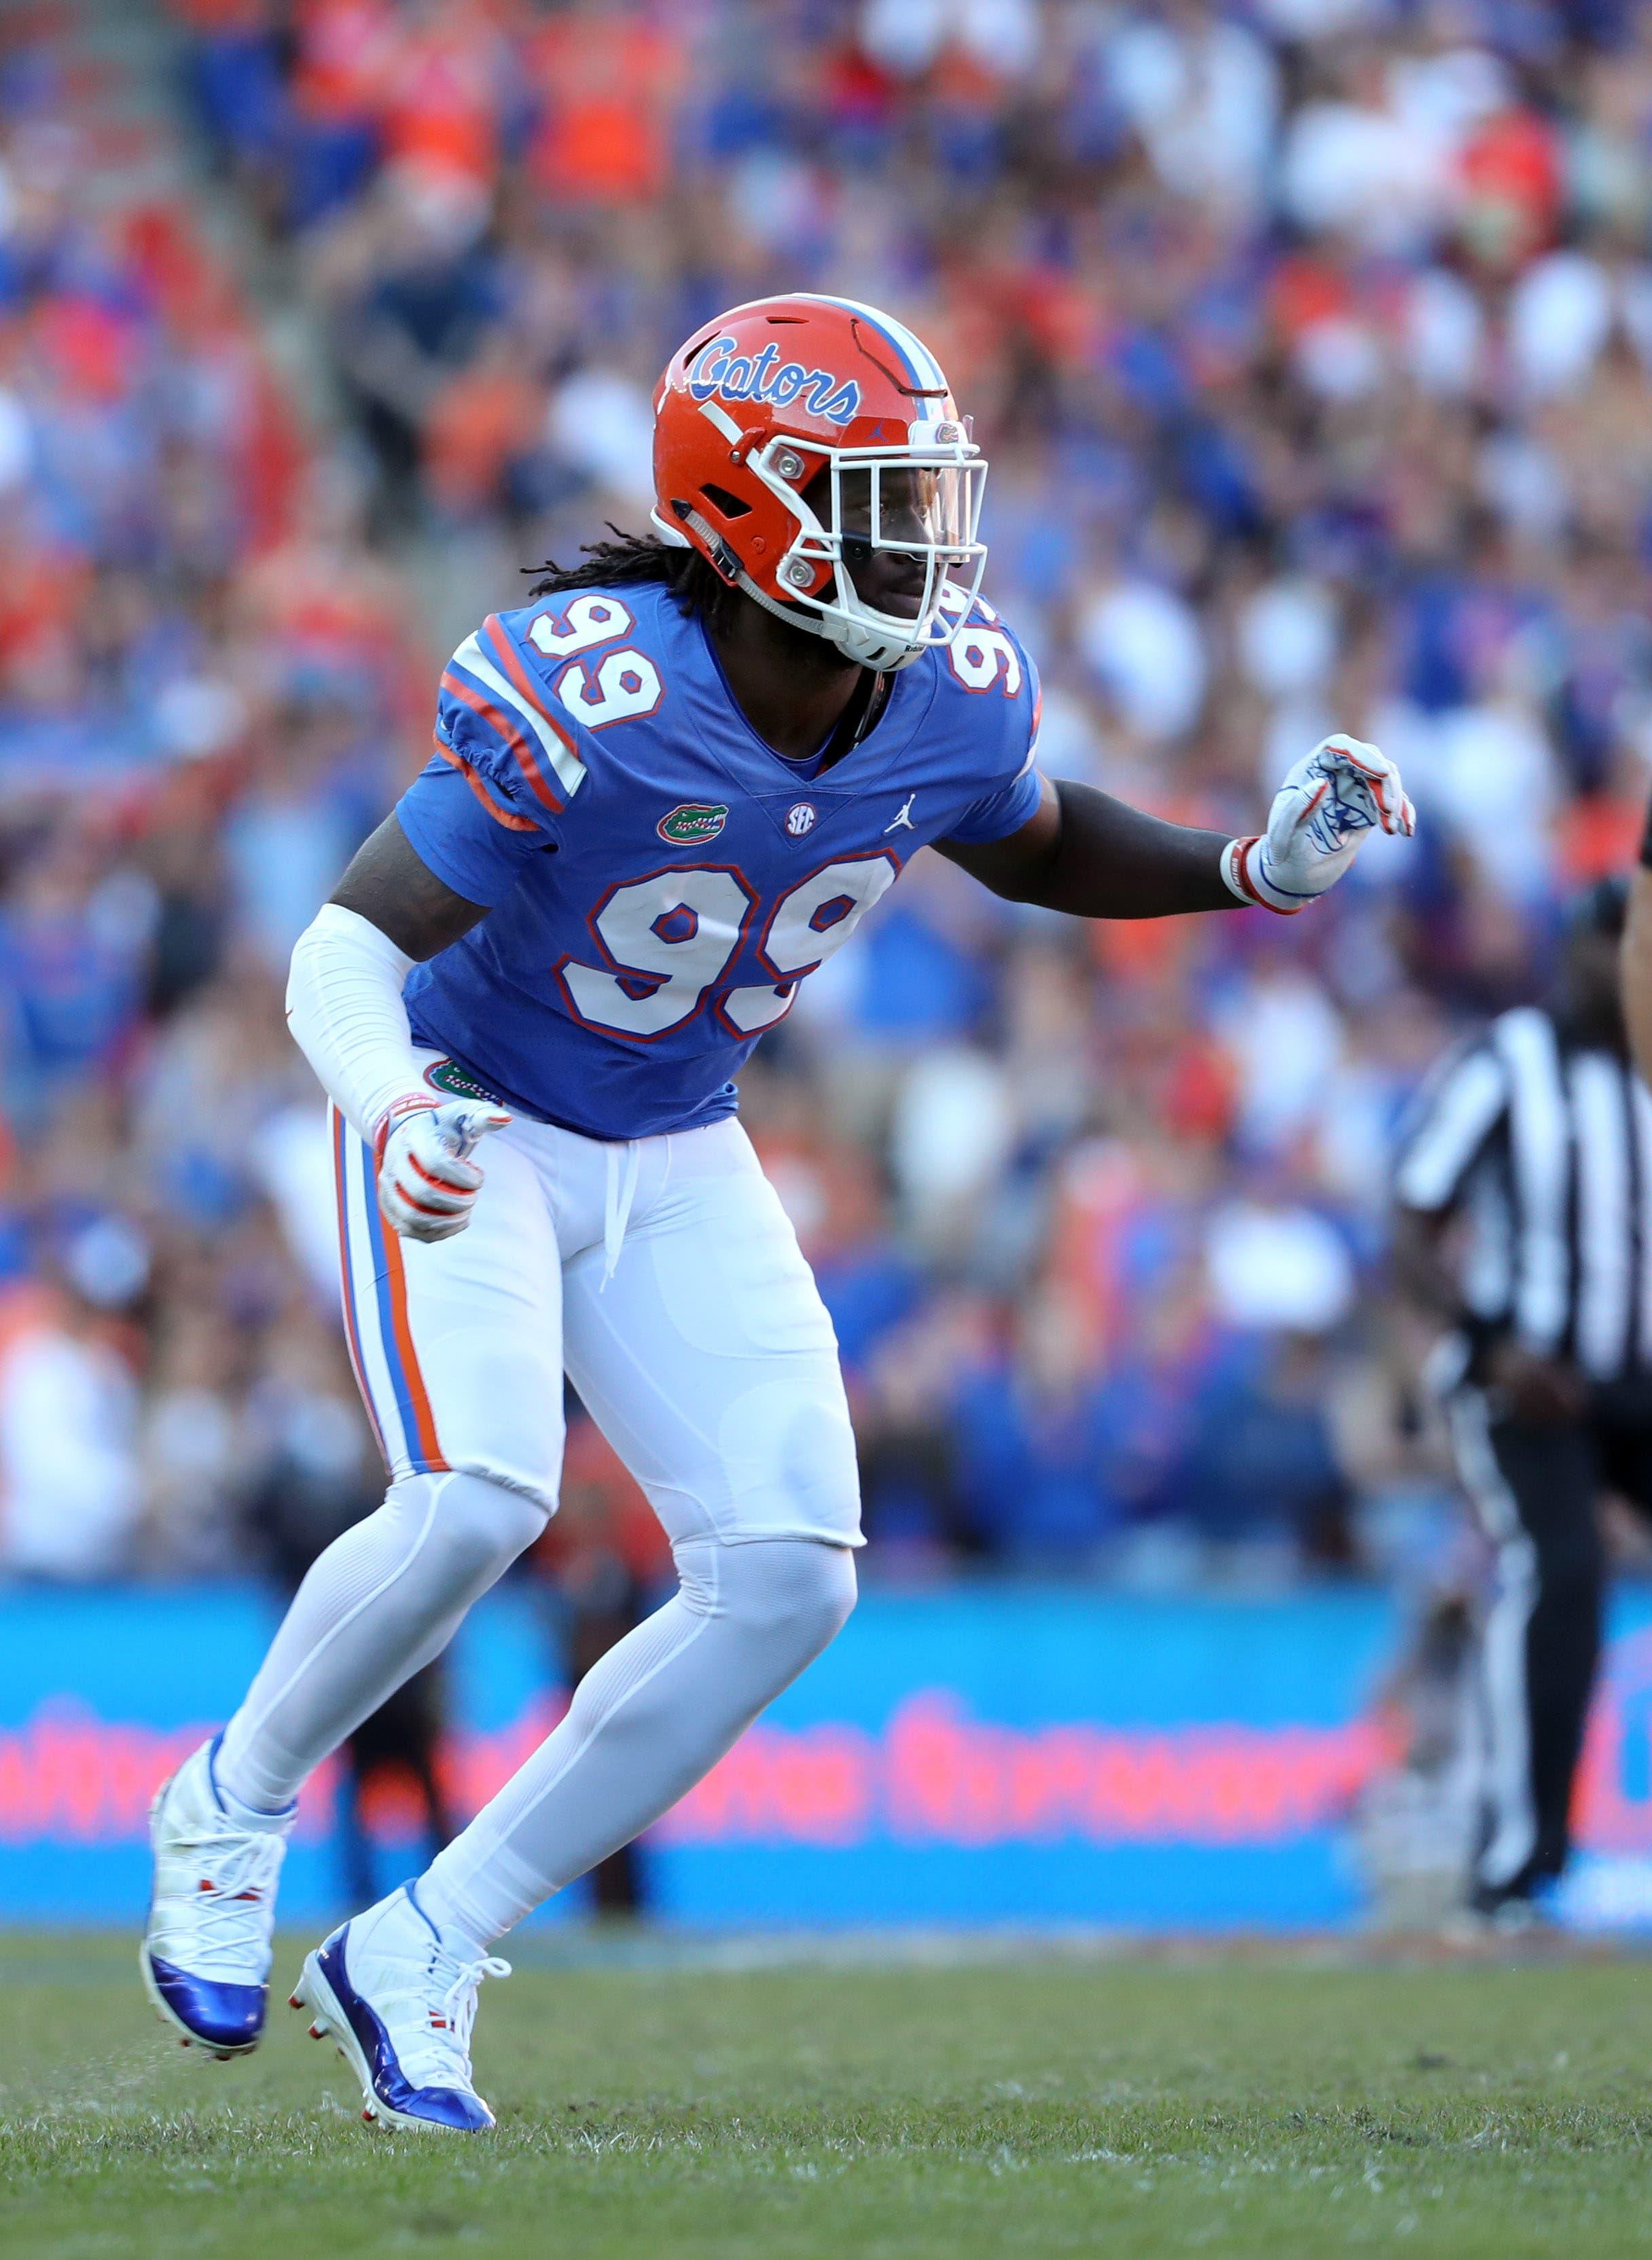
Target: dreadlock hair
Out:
[633,557]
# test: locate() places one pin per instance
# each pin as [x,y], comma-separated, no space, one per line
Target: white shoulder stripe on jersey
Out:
[564,761]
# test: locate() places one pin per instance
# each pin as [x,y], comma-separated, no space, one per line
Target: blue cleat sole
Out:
[220,2050]
[314,1993]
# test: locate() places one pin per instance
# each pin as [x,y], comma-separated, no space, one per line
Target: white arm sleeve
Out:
[345,1009]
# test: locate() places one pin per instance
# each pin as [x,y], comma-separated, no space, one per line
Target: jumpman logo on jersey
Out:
[904,817]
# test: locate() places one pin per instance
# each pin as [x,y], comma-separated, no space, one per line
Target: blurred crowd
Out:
[1309,340]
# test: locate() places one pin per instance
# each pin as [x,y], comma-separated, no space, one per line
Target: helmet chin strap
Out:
[864,645]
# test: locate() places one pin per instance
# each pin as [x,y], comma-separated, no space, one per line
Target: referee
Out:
[1525,1219]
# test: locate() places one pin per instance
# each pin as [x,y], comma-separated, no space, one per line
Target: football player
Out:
[663,792]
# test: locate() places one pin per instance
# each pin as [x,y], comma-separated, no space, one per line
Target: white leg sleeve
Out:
[653,1716]
[383,1599]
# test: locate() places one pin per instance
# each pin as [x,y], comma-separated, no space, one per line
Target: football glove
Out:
[1328,802]
[427,1183]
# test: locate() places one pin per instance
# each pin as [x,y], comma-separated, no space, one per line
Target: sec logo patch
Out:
[801,818]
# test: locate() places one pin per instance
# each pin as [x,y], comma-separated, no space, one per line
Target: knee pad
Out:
[474,1527]
[798,1592]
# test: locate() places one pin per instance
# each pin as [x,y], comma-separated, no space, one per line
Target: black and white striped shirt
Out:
[1546,1150]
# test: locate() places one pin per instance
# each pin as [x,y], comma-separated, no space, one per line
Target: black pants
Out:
[1536,1487]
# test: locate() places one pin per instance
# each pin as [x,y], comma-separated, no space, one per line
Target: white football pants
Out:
[664,1276]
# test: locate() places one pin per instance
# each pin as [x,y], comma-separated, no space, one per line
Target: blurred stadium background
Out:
[1309,339]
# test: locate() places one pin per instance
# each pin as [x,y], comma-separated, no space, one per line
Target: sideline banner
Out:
[975,1755]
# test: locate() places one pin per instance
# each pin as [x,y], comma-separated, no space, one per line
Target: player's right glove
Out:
[427,1183]
[1328,802]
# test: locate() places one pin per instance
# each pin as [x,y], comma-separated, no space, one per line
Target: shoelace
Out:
[238,1873]
[434,2046]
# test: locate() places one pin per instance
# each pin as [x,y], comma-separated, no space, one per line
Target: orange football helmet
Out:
[763,401]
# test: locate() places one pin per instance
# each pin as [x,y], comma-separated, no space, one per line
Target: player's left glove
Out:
[427,1183]
[1328,802]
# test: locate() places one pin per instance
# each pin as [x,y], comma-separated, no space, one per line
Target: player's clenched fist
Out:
[427,1183]
[1328,802]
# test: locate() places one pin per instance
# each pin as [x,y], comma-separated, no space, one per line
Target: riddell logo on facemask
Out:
[692,824]
[753,376]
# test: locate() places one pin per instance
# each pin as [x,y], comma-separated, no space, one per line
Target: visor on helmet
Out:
[920,501]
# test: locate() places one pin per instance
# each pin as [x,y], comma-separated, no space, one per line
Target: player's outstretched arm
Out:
[1084,852]
[345,1009]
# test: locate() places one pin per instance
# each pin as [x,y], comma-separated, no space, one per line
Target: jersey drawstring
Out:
[622,1191]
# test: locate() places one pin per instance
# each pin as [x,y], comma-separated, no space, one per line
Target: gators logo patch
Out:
[447,1075]
[692,824]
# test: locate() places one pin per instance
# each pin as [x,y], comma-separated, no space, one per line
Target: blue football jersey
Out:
[658,880]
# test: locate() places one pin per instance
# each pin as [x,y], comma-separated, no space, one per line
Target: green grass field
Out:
[1055,2105]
